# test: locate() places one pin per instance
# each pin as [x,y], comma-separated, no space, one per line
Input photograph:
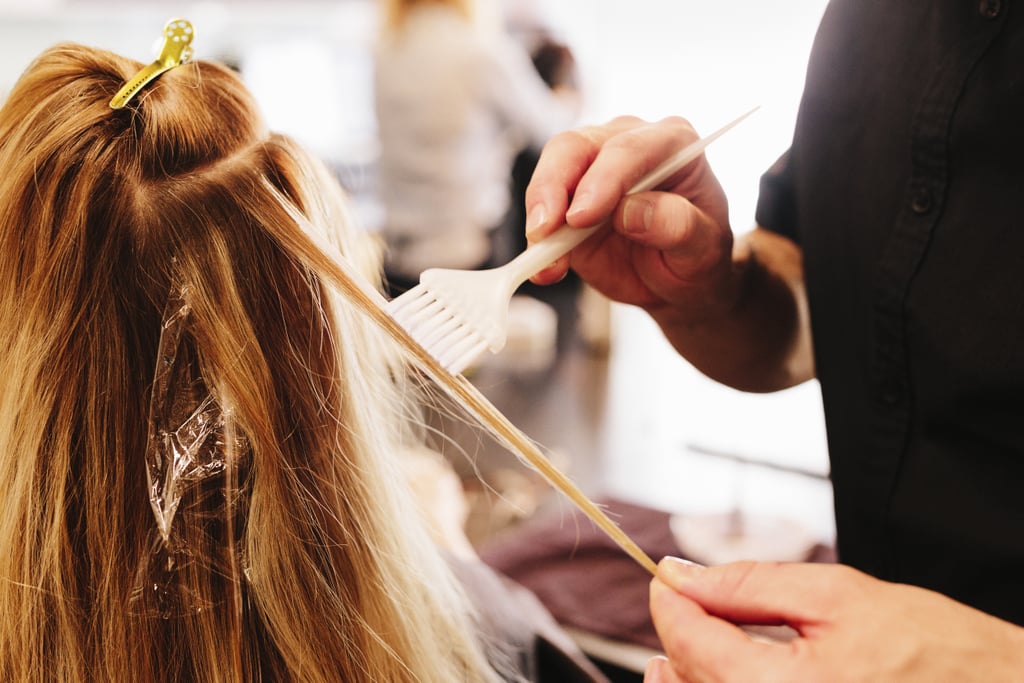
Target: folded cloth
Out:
[584,579]
[522,637]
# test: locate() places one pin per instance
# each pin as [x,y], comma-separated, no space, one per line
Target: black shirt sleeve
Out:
[776,208]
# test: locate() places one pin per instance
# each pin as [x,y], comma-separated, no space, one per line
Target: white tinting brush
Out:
[457,314]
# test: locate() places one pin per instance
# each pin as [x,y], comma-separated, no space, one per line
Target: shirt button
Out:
[921,202]
[990,9]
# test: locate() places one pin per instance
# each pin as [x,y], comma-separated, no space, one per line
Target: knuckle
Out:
[679,129]
[625,122]
[846,581]
[678,123]
[576,143]
[589,137]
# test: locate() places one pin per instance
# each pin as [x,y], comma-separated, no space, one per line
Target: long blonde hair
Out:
[295,558]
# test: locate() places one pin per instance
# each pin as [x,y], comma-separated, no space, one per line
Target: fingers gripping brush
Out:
[458,314]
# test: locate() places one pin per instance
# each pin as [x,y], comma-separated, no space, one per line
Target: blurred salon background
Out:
[614,404]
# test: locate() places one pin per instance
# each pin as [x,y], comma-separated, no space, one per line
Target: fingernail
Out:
[637,214]
[536,218]
[654,668]
[675,570]
[580,203]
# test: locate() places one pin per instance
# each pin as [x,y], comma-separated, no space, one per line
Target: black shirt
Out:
[904,188]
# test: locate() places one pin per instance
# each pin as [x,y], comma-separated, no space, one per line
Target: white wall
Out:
[706,61]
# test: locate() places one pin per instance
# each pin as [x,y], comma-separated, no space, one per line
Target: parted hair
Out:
[299,558]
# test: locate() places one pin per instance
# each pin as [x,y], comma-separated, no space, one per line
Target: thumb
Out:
[798,594]
[664,221]
[701,646]
[688,241]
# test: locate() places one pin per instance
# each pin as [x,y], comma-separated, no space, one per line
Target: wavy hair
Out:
[296,557]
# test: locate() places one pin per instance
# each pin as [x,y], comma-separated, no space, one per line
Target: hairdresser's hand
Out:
[851,628]
[667,249]
[736,310]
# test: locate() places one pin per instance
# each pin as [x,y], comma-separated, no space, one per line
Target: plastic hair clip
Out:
[176,50]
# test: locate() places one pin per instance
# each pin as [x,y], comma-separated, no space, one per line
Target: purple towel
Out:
[584,579]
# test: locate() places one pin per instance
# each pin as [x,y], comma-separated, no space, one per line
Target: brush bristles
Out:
[450,340]
[471,399]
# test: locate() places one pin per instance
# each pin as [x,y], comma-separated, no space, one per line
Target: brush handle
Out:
[540,255]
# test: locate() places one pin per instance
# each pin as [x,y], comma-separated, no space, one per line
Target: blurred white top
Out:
[454,105]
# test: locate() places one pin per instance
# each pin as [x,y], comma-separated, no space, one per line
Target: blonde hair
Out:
[395,11]
[295,560]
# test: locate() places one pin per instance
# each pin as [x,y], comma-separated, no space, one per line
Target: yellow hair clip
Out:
[177,49]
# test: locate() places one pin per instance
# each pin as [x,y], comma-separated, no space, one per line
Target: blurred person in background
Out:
[456,99]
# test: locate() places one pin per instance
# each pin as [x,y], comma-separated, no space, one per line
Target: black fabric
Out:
[903,187]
